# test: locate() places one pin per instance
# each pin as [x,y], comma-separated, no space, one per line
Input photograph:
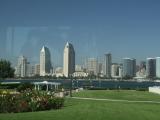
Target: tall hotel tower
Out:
[45,61]
[68,60]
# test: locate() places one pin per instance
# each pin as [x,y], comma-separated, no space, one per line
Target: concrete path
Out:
[114,100]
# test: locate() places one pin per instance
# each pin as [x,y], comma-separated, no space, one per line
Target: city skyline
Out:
[128,69]
[124,28]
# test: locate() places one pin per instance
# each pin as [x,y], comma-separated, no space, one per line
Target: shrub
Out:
[29,101]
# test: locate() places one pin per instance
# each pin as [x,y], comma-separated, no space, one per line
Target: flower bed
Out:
[29,101]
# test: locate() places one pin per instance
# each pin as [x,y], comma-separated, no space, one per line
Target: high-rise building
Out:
[107,65]
[21,69]
[151,67]
[68,60]
[92,66]
[37,69]
[30,70]
[134,67]
[158,67]
[129,67]
[45,61]
[120,71]
[100,68]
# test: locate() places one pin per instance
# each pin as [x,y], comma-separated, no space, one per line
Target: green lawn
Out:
[122,94]
[99,110]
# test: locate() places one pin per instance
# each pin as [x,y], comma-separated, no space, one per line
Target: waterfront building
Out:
[78,68]
[120,71]
[80,74]
[129,67]
[100,68]
[134,67]
[92,66]
[21,69]
[151,67]
[45,61]
[68,60]
[59,72]
[107,65]
[37,69]
[30,70]
[142,70]
[158,67]
[115,70]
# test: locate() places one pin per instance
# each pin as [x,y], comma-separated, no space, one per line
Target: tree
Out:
[6,71]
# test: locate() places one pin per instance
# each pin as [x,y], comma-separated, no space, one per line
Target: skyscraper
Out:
[158,67]
[45,61]
[21,69]
[134,67]
[100,68]
[107,65]
[129,67]
[151,67]
[68,60]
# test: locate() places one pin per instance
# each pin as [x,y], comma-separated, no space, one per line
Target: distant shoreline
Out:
[49,79]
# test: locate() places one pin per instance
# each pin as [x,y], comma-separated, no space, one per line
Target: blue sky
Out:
[126,28]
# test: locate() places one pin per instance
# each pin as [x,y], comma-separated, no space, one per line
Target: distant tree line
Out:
[6,71]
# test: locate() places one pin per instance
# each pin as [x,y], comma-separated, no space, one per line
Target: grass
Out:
[121,94]
[98,110]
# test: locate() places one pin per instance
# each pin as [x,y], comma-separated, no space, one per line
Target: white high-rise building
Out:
[68,60]
[21,69]
[45,61]
[158,67]
[107,65]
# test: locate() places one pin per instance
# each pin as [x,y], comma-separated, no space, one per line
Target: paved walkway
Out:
[114,100]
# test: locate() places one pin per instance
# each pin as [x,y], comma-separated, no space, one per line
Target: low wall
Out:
[155,89]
